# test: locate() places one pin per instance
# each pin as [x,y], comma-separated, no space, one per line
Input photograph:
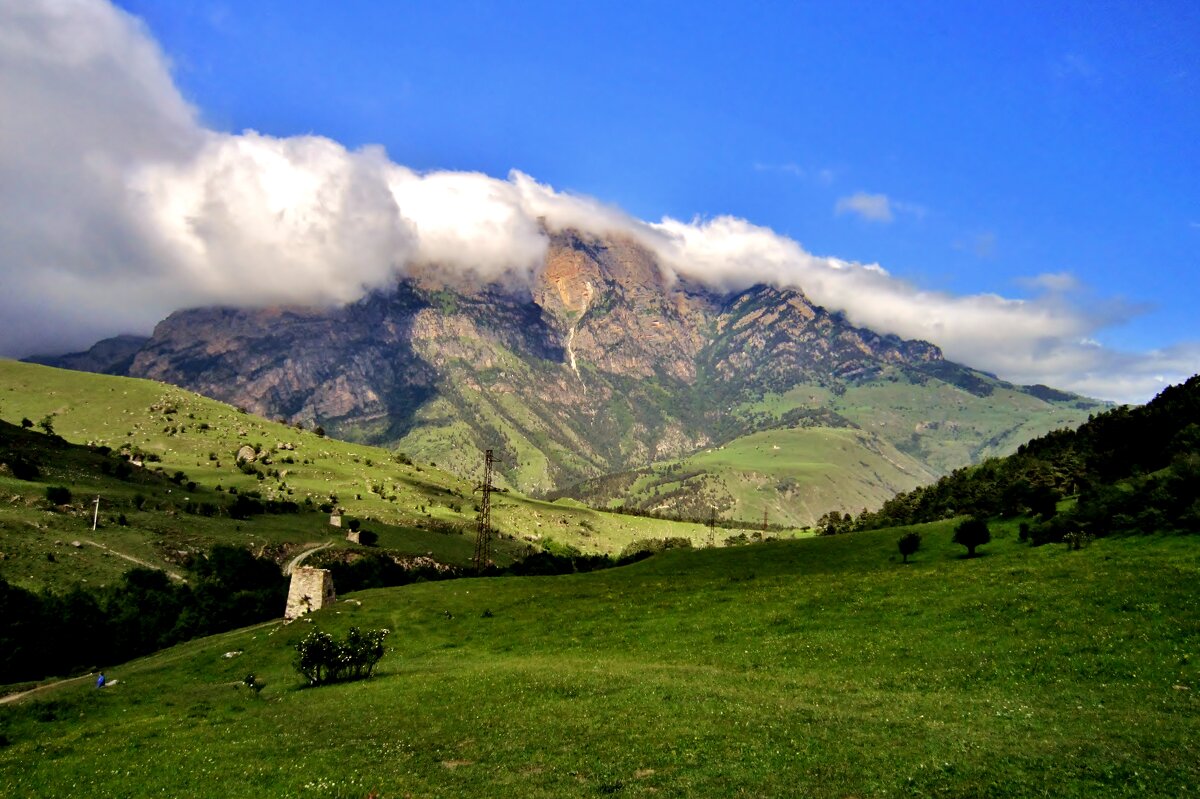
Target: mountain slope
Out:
[1128,470]
[171,463]
[603,366]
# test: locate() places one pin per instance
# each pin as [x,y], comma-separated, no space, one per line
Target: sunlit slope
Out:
[416,508]
[821,667]
[793,476]
[821,451]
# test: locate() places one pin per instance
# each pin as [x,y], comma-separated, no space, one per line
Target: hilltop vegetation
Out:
[816,450]
[1128,470]
[822,667]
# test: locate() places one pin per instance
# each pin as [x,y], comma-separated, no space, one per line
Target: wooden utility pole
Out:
[483,522]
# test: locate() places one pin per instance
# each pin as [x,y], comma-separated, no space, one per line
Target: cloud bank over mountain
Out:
[118,205]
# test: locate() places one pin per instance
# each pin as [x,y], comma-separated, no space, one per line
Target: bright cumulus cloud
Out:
[118,206]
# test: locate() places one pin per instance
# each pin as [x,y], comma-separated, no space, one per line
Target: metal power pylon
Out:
[483,523]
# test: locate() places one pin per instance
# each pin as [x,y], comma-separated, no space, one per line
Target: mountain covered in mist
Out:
[612,380]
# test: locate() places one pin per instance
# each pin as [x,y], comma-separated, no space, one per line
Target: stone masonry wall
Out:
[311,589]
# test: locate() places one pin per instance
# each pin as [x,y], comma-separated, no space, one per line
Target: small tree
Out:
[322,659]
[47,424]
[972,533]
[909,543]
[58,495]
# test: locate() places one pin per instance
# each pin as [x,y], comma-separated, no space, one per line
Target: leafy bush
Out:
[23,469]
[58,495]
[645,547]
[909,543]
[322,659]
[971,533]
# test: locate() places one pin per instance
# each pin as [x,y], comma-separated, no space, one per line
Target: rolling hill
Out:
[193,454]
[822,668]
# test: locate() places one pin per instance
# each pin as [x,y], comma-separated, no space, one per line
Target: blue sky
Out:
[1047,152]
[1024,138]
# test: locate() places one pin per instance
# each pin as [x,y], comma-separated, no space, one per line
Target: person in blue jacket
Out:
[100,680]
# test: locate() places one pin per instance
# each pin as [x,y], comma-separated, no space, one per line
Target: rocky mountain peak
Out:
[606,363]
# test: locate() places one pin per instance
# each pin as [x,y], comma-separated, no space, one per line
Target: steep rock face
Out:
[621,315]
[297,363]
[772,339]
[605,364]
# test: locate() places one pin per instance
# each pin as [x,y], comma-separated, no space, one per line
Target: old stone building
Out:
[311,589]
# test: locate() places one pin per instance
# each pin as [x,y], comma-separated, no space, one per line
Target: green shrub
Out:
[322,659]
[909,543]
[971,533]
[644,547]
[58,495]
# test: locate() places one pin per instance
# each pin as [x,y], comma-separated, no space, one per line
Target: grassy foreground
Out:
[819,667]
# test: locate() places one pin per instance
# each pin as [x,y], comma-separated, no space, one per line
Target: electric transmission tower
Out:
[483,523]
[712,527]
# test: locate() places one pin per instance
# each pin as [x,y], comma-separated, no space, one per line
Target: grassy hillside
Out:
[821,667]
[415,508]
[794,475]
[817,450]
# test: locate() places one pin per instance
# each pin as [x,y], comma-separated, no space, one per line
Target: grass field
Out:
[794,475]
[821,667]
[417,509]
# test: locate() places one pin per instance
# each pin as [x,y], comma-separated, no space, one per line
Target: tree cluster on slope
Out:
[1132,470]
[85,628]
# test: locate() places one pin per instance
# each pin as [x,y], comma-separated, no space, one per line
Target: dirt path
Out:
[4,700]
[296,561]
[159,658]
[138,561]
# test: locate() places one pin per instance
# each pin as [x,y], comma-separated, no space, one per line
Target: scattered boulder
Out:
[247,454]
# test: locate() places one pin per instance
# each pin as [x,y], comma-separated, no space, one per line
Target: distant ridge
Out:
[110,356]
[603,366]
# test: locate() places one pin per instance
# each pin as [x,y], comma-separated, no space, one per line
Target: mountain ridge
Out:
[606,363]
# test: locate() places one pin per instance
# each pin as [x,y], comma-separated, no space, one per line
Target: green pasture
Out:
[416,508]
[821,667]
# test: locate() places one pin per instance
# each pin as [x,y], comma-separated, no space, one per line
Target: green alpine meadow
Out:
[821,667]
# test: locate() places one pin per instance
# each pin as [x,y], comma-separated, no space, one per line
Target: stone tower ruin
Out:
[311,589]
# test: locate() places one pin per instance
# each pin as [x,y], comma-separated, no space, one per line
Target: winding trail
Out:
[4,700]
[138,561]
[296,561]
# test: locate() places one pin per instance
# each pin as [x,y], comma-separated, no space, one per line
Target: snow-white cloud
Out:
[117,206]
